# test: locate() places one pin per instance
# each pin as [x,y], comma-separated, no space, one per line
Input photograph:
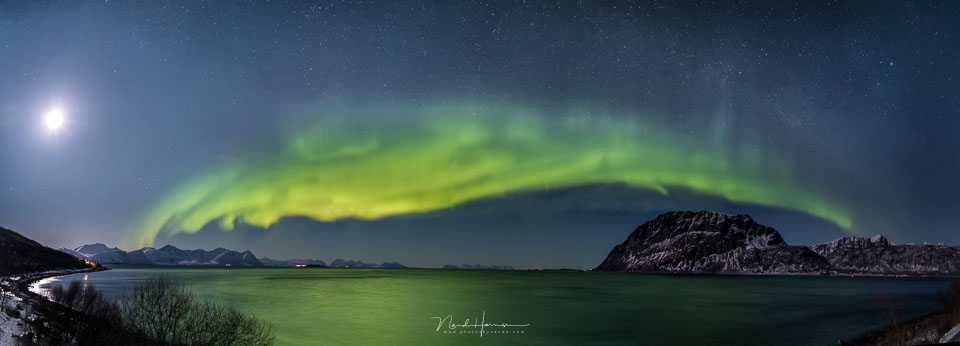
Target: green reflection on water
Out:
[395,306]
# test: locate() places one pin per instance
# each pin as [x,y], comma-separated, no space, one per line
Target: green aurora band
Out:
[443,157]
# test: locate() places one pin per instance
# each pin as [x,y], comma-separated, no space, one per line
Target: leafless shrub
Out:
[86,299]
[159,309]
[210,324]
[168,312]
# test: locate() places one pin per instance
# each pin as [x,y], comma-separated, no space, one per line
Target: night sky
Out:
[532,134]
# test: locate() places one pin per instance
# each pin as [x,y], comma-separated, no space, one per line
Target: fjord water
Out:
[309,306]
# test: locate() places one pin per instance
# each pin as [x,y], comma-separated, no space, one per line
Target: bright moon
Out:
[54,119]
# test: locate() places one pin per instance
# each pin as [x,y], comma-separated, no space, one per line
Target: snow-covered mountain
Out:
[88,250]
[167,255]
[710,242]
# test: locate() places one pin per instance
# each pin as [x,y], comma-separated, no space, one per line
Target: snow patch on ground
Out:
[10,326]
[12,299]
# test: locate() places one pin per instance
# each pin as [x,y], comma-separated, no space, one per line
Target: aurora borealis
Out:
[531,134]
[449,156]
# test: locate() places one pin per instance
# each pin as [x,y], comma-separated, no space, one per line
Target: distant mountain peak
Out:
[477,267]
[93,246]
[166,255]
[337,263]
[90,250]
[293,262]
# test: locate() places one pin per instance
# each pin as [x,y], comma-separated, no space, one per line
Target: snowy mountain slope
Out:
[167,255]
[710,242]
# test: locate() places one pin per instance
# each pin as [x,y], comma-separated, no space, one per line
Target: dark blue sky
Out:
[853,103]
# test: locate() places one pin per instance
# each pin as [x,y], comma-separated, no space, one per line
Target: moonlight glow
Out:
[377,169]
[54,120]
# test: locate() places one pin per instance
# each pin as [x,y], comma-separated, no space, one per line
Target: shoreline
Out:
[21,284]
[25,281]
[23,306]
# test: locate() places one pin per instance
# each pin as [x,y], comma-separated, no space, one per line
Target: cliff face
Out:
[710,242]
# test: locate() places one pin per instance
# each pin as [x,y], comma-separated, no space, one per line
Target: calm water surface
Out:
[309,306]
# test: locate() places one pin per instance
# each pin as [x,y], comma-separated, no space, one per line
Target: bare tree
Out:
[891,313]
[949,299]
[157,308]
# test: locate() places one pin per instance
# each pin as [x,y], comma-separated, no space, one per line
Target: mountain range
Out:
[292,262]
[342,263]
[337,263]
[711,242]
[167,255]
[171,255]
[477,267]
